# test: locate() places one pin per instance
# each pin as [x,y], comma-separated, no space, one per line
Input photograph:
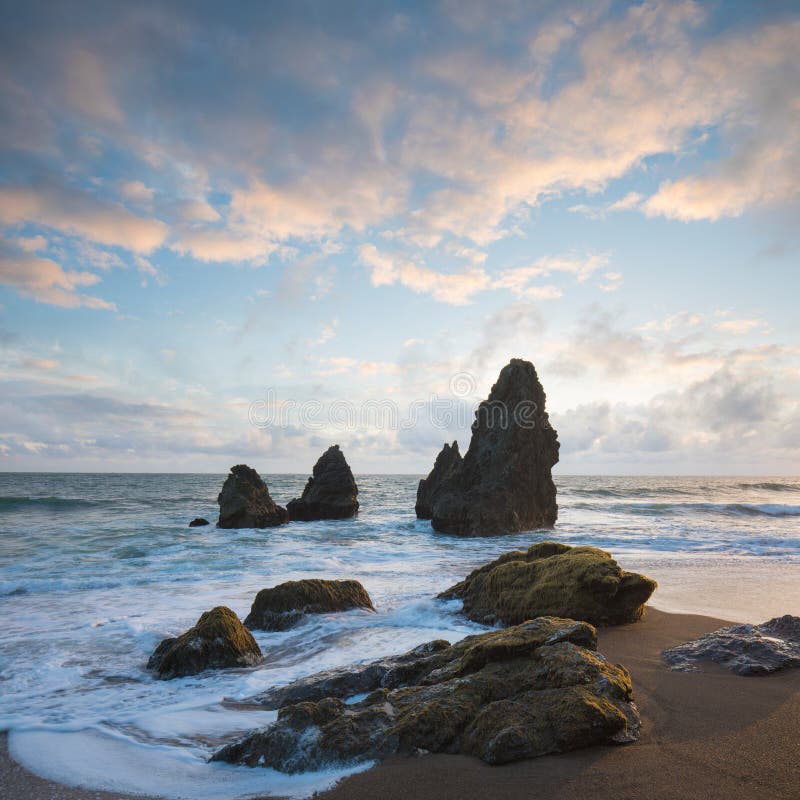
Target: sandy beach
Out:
[708,735]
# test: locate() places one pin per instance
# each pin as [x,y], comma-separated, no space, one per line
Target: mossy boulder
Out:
[285,605]
[217,641]
[331,491]
[553,579]
[245,502]
[526,691]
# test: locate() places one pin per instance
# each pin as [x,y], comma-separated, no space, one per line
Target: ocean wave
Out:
[771,487]
[726,509]
[642,491]
[11,504]
[54,503]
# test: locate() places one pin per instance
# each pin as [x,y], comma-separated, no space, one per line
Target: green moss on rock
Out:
[280,607]
[525,691]
[217,641]
[582,583]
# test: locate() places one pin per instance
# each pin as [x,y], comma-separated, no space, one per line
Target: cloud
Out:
[75,212]
[599,343]
[31,244]
[681,319]
[41,363]
[460,288]
[454,142]
[342,365]
[221,245]
[506,332]
[46,282]
[86,86]
[454,288]
[739,327]
[734,416]
[518,279]
[136,191]
[760,81]
[631,201]
[613,281]
[328,332]
[198,211]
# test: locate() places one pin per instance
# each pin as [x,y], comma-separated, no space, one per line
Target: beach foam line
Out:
[95,760]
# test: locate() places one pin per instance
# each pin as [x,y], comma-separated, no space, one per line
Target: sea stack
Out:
[245,502]
[331,490]
[504,483]
[448,462]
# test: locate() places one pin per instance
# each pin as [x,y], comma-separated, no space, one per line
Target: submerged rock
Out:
[283,606]
[217,641]
[244,501]
[447,463]
[517,693]
[198,522]
[331,490]
[553,579]
[504,483]
[743,649]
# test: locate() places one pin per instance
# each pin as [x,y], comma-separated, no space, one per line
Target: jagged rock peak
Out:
[447,463]
[504,483]
[245,502]
[331,491]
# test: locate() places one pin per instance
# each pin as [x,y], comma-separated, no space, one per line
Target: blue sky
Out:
[309,205]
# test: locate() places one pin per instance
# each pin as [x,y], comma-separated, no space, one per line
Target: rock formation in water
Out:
[447,464]
[217,641]
[552,579]
[504,483]
[505,695]
[198,522]
[283,606]
[331,491]
[244,501]
[743,649]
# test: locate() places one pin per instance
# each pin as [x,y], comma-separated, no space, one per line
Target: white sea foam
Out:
[88,588]
[102,761]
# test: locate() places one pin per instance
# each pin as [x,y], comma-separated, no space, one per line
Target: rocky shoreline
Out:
[693,742]
[536,686]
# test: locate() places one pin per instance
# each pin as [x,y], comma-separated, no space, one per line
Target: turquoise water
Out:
[96,569]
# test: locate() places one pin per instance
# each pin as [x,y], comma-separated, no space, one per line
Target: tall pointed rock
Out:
[504,484]
[331,491]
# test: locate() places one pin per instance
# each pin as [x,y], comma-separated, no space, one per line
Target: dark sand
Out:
[709,735]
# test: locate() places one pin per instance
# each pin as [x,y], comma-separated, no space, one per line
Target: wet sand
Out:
[706,735]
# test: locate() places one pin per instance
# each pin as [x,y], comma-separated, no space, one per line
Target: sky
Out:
[240,232]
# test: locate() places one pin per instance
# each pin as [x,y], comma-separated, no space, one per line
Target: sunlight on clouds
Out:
[739,326]
[46,282]
[86,86]
[454,288]
[75,212]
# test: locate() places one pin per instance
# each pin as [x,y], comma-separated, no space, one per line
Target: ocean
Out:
[95,569]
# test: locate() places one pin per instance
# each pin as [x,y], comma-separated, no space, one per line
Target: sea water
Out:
[96,569]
